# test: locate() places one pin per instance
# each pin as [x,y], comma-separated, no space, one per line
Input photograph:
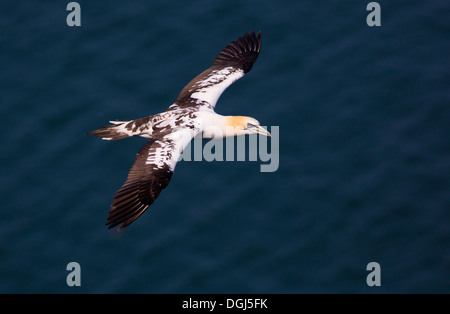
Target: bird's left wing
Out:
[231,64]
[149,175]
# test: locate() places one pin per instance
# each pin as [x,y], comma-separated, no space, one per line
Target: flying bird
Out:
[169,132]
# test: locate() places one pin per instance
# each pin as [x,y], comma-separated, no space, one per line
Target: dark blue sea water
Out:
[364,150]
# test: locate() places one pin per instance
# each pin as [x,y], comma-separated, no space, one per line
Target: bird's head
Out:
[239,125]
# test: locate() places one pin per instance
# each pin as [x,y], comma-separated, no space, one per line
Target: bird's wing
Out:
[231,64]
[149,175]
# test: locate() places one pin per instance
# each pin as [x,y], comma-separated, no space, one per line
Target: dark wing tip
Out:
[134,197]
[241,53]
[128,205]
[142,188]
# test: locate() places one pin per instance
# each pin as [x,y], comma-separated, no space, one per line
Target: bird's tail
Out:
[116,131]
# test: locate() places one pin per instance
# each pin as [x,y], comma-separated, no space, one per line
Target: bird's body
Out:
[171,131]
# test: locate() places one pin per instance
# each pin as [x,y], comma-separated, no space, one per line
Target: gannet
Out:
[171,131]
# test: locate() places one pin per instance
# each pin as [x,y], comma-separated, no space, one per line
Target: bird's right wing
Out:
[149,175]
[231,64]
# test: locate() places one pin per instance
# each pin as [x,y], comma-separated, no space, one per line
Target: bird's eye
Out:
[249,125]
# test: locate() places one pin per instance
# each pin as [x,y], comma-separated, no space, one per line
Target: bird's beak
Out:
[262,131]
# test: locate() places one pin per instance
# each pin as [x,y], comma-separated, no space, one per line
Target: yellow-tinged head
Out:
[240,125]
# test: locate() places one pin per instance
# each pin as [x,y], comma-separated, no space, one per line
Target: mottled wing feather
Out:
[231,64]
[149,175]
